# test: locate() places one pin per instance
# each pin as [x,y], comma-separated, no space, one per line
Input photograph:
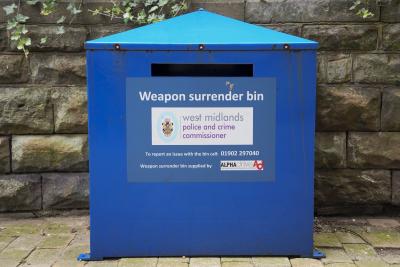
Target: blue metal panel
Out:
[216,32]
[201,218]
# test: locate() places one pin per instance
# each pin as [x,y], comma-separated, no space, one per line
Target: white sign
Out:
[202,126]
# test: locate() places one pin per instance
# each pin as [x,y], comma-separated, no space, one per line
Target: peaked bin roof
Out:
[189,31]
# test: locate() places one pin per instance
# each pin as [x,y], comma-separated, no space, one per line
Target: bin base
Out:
[317,254]
[87,257]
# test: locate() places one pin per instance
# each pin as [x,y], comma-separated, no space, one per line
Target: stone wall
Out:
[43,117]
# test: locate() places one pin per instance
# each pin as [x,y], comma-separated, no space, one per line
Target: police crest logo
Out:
[167,127]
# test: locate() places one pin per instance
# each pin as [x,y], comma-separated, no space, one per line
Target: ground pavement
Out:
[56,241]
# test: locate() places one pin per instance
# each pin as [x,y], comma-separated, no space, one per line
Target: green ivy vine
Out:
[362,8]
[128,11]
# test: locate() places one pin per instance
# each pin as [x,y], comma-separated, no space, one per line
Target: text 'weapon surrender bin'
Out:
[200,128]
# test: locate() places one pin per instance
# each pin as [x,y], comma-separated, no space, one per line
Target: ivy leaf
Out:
[43,40]
[355,4]
[32,2]
[60,30]
[152,9]
[21,18]
[24,41]
[72,9]
[11,24]
[162,2]
[10,8]
[61,20]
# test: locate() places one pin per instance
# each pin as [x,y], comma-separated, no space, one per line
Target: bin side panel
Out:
[201,218]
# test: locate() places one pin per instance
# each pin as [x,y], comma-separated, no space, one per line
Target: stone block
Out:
[390,11]
[293,29]
[72,40]
[391,37]
[70,109]
[4,154]
[105,30]
[330,149]
[343,37]
[338,68]
[58,68]
[390,115]
[229,8]
[20,192]
[3,37]
[373,150]
[376,68]
[25,110]
[271,11]
[321,68]
[348,107]
[13,69]
[347,187]
[396,188]
[36,153]
[65,190]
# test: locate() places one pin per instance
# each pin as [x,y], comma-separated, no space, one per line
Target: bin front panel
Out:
[203,217]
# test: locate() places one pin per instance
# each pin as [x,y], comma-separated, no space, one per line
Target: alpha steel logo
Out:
[242,165]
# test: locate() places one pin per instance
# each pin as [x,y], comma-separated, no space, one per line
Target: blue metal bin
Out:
[201,135]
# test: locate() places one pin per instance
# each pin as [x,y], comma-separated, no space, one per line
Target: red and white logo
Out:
[242,165]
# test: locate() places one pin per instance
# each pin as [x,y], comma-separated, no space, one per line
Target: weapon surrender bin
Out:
[201,134]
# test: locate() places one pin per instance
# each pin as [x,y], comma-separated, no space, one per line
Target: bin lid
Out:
[201,30]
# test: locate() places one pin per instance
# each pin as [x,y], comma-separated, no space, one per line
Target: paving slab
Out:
[384,222]
[173,261]
[236,264]
[14,254]
[340,265]
[26,242]
[71,252]
[57,228]
[55,241]
[22,229]
[326,240]
[371,262]
[271,262]
[138,262]
[9,263]
[349,238]
[106,263]
[382,239]
[42,257]
[235,259]
[205,262]
[359,251]
[391,256]
[69,263]
[303,262]
[5,241]
[334,255]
